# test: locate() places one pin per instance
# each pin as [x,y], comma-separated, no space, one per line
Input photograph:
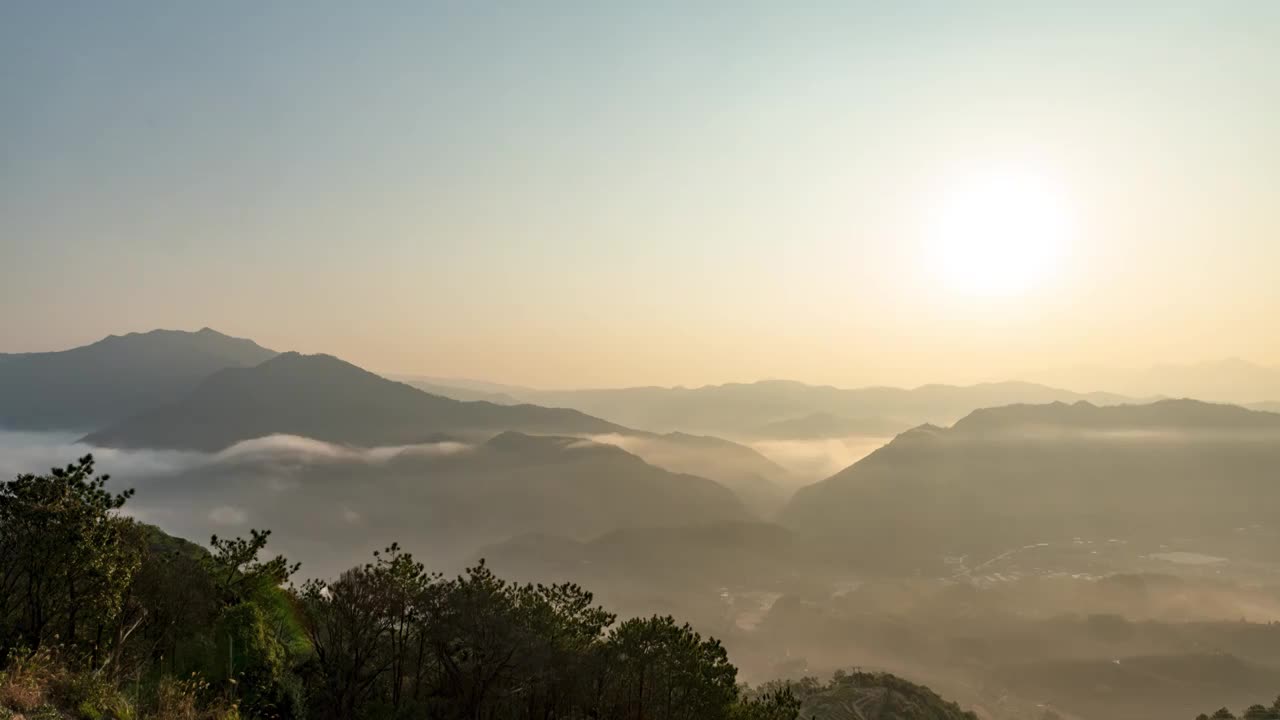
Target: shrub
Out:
[24,686]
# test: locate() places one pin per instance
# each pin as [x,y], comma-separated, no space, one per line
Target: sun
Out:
[998,234]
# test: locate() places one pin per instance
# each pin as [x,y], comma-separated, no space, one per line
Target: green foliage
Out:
[67,559]
[39,683]
[658,669]
[238,575]
[91,697]
[392,640]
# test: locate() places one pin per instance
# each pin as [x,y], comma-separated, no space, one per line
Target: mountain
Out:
[1232,380]
[1165,415]
[711,555]
[1005,477]
[457,384]
[323,398]
[441,500]
[762,484]
[786,410]
[104,383]
[458,389]
[825,425]
[1141,687]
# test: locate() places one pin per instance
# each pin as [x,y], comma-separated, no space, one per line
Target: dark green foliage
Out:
[255,629]
[238,575]
[391,640]
[657,669]
[67,560]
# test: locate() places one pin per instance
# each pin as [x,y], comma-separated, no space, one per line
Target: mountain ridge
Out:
[315,396]
[104,382]
[1021,474]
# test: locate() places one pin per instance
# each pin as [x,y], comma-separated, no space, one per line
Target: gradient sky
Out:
[570,194]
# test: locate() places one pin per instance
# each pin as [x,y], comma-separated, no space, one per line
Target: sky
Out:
[593,194]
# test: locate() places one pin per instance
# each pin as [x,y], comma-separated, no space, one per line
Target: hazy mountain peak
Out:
[115,377]
[1166,414]
[514,441]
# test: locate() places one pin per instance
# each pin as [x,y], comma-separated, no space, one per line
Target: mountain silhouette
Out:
[759,482]
[1232,380]
[785,409]
[323,398]
[112,379]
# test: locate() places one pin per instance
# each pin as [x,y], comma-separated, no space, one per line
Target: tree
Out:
[347,624]
[237,573]
[657,669]
[255,629]
[779,703]
[67,557]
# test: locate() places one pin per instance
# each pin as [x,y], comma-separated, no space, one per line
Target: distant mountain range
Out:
[207,391]
[1004,477]
[1232,380]
[778,409]
[119,376]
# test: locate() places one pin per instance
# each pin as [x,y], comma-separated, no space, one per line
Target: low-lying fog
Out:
[196,494]
[261,483]
[1094,627]
[813,460]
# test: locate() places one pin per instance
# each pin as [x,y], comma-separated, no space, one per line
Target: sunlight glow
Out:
[998,234]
